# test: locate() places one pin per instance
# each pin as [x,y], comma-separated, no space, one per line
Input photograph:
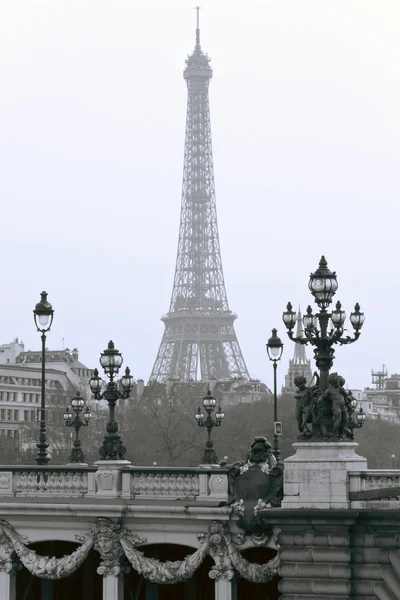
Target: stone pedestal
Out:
[317,475]
[108,478]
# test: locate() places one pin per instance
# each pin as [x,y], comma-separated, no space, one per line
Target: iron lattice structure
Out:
[199,340]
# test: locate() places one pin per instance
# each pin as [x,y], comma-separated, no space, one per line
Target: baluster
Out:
[150,484]
[52,483]
[195,485]
[41,485]
[84,483]
[180,485]
[165,484]
[31,481]
[157,485]
[67,481]
[77,482]
[142,484]
[188,484]
[172,487]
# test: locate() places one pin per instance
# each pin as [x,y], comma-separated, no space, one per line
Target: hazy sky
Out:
[305,113]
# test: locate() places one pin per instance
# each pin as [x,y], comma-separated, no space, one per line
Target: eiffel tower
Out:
[199,341]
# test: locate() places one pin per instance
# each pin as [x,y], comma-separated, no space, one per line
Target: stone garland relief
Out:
[115,543]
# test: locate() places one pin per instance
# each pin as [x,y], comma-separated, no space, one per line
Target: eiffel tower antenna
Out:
[199,340]
[198,27]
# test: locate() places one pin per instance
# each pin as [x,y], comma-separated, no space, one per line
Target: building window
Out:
[16,415]
[33,415]
[3,414]
[26,415]
[9,414]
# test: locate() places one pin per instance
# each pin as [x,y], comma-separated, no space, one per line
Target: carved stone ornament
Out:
[255,485]
[107,541]
[45,567]
[218,543]
[112,541]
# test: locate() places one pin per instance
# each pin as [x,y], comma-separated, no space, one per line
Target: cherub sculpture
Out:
[332,408]
[305,403]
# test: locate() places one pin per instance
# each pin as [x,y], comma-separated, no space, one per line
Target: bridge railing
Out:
[374,485]
[133,483]
[175,483]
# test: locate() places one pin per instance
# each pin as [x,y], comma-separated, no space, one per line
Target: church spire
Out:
[299,356]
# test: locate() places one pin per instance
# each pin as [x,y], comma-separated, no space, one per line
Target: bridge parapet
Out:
[41,481]
[374,488]
[134,483]
[175,484]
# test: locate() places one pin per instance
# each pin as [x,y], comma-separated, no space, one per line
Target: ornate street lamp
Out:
[324,329]
[274,350]
[43,316]
[111,360]
[76,422]
[209,402]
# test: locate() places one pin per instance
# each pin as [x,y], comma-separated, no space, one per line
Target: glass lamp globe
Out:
[209,401]
[323,284]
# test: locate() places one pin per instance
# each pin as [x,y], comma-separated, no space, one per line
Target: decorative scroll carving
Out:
[219,551]
[255,485]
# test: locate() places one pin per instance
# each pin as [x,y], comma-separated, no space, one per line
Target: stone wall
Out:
[338,554]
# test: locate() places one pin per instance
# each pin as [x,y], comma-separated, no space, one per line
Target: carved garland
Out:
[45,567]
[113,542]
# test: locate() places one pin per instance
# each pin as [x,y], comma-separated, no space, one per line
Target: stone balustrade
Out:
[175,483]
[45,481]
[164,484]
[374,486]
[111,480]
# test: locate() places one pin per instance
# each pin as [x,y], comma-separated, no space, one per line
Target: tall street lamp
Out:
[209,402]
[111,360]
[43,316]
[274,350]
[76,422]
[324,329]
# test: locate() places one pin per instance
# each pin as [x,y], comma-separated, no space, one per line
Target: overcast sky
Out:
[305,114]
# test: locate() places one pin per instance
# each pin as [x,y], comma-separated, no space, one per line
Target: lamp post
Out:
[393,459]
[43,316]
[274,350]
[76,422]
[324,329]
[111,360]
[209,402]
